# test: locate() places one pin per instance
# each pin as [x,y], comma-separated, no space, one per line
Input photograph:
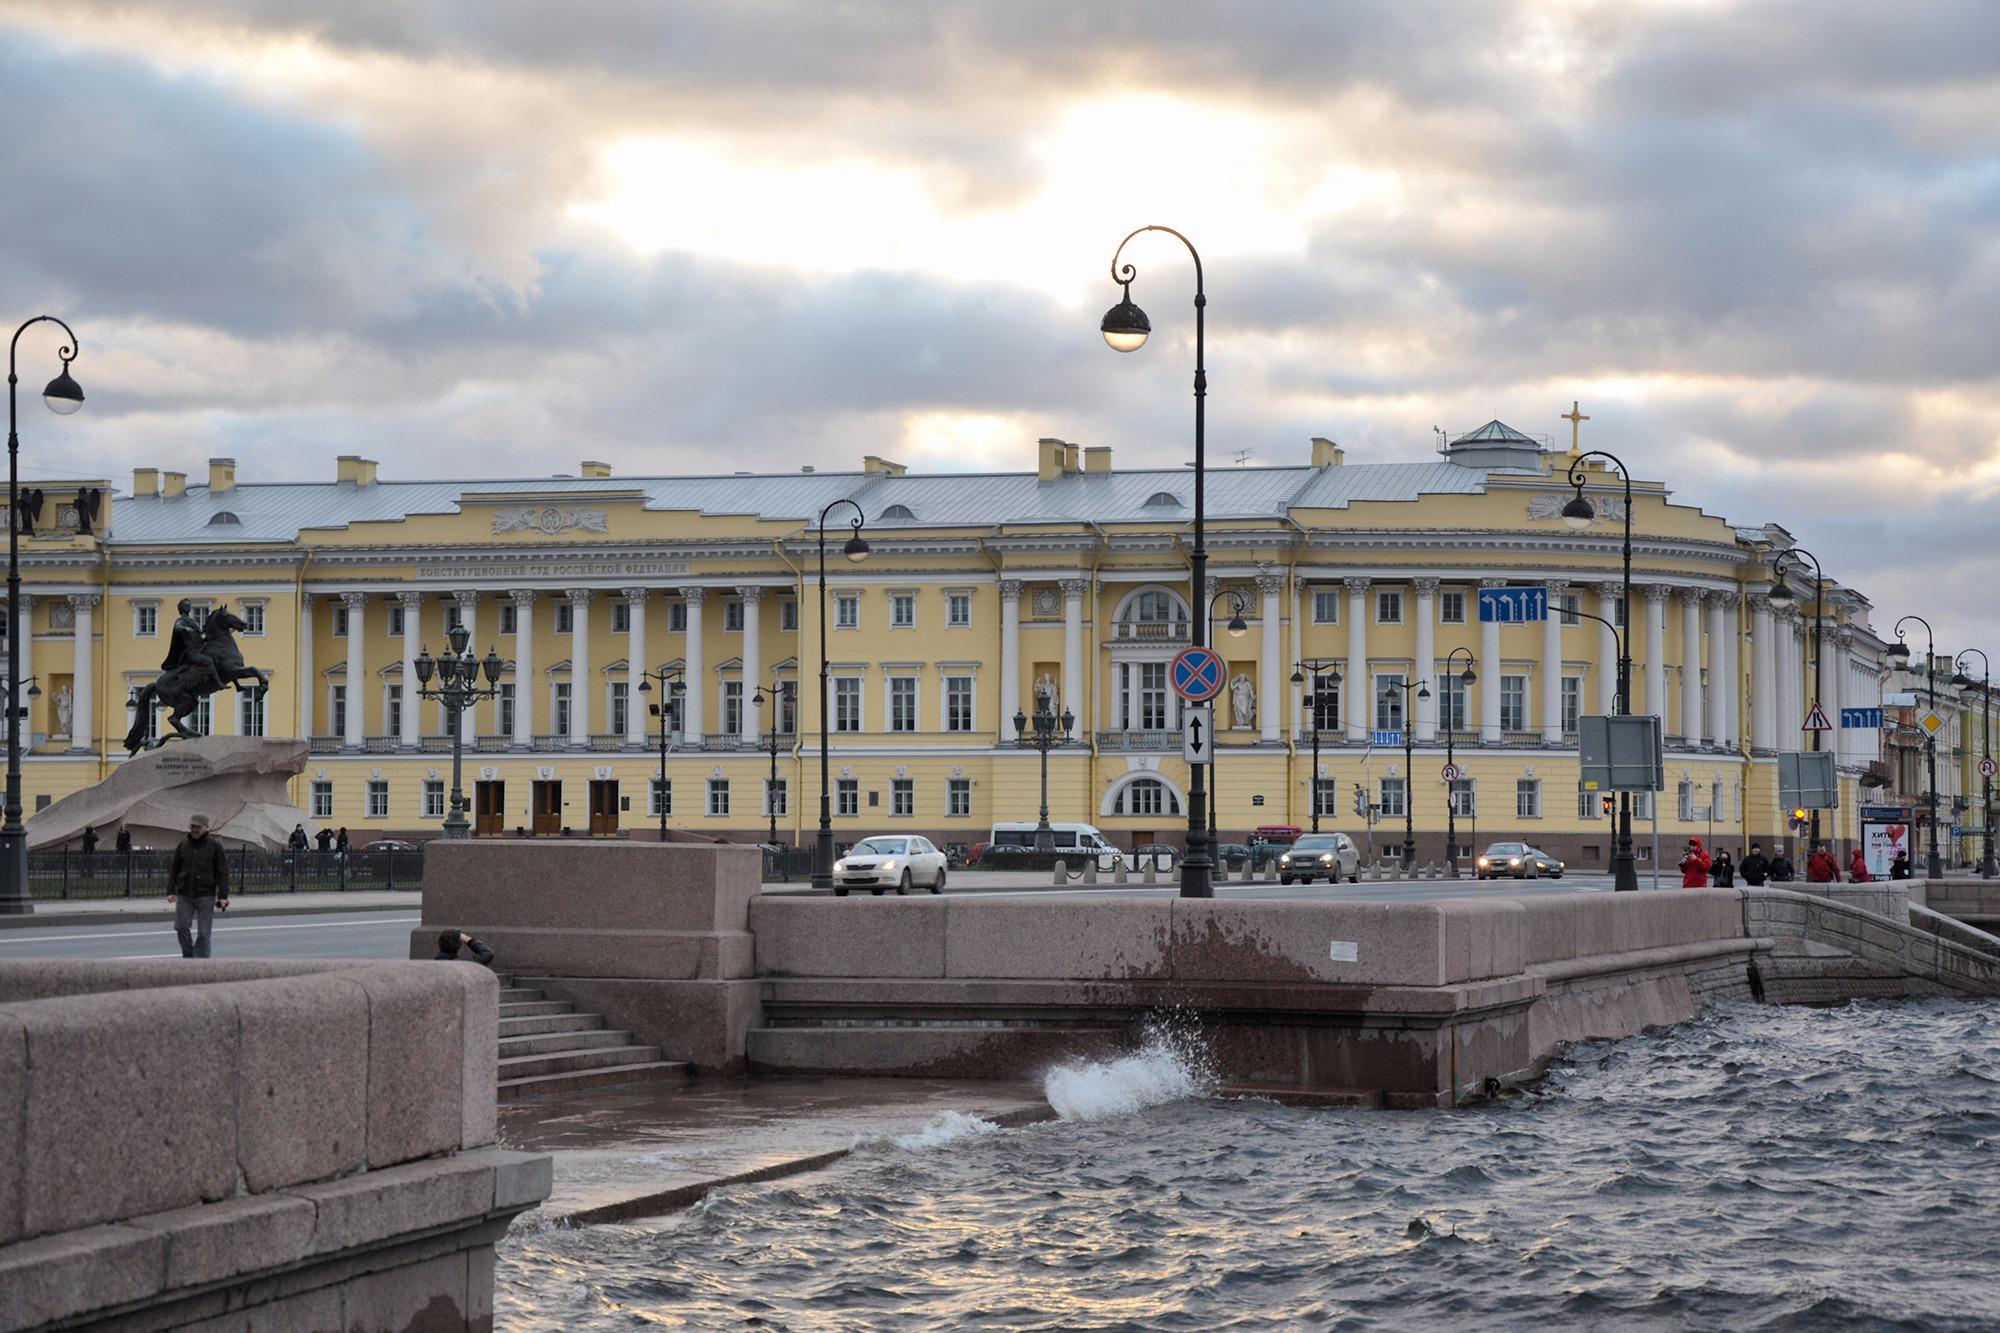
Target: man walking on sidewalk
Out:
[197,884]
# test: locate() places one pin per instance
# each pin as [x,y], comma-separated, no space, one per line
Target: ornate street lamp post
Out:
[1315,667]
[777,693]
[1783,598]
[856,550]
[1465,682]
[1125,328]
[458,689]
[1964,682]
[1577,515]
[1409,771]
[1050,731]
[63,397]
[668,710]
[1237,628]
[1900,651]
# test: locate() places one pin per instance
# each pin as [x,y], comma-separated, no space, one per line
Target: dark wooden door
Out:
[548,807]
[604,806]
[489,808]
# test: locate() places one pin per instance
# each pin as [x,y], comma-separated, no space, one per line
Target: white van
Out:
[1069,838]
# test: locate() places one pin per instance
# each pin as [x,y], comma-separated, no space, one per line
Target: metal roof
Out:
[1496,432]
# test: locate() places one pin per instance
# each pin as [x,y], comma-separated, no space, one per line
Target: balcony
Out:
[382,744]
[493,744]
[434,744]
[601,742]
[1139,740]
[548,744]
[324,745]
[1149,631]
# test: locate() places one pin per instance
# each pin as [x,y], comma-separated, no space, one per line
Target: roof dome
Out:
[1495,445]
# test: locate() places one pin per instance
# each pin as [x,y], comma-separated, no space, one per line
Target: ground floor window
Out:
[775,799]
[1528,798]
[378,799]
[847,797]
[903,796]
[718,796]
[663,797]
[1146,796]
[434,798]
[1392,797]
[322,799]
[958,798]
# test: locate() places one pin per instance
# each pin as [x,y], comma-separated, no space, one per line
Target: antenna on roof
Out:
[1444,442]
[1242,457]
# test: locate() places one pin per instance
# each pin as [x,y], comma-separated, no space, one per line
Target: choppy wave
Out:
[1758,1168]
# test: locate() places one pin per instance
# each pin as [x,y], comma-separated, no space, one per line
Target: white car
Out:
[882,862]
[1329,856]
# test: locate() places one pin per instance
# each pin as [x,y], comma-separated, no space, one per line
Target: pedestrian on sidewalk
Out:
[124,842]
[1821,868]
[89,839]
[451,941]
[1857,869]
[325,839]
[1694,866]
[1722,872]
[1782,869]
[340,843]
[298,841]
[1754,868]
[197,884]
[1900,867]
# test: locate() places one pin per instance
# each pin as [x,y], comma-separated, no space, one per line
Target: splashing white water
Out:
[944,1127]
[1172,1066]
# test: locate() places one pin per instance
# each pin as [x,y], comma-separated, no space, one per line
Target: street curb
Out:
[166,917]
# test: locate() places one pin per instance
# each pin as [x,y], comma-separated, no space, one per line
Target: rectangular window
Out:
[788,614]
[559,710]
[1451,607]
[677,616]
[732,708]
[1389,703]
[204,718]
[454,616]
[732,616]
[1589,804]
[1513,703]
[1572,703]
[718,796]
[902,703]
[788,710]
[250,714]
[1326,606]
[392,708]
[322,799]
[957,610]
[847,797]
[621,617]
[1571,603]
[146,622]
[902,796]
[253,618]
[1619,617]
[378,799]
[433,798]
[662,798]
[503,709]
[1451,701]
[1153,696]
[1325,703]
[339,622]
[774,798]
[336,715]
[1388,608]
[510,618]
[1464,798]
[620,703]
[1686,794]
[902,610]
[1326,793]
[565,617]
[1392,797]
[397,624]
[958,703]
[1528,798]
[847,611]
[847,703]
[958,798]
[1642,805]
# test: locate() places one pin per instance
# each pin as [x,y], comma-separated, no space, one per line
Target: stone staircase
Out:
[547,1046]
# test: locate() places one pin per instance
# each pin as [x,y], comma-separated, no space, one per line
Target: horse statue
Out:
[203,660]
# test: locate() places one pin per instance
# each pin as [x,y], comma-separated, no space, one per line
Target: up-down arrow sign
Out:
[1197,734]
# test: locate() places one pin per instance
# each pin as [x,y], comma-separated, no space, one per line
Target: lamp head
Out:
[1579,513]
[458,636]
[1020,723]
[425,666]
[1125,326]
[1467,676]
[64,395]
[646,685]
[1237,628]
[1298,676]
[1784,598]
[856,549]
[34,690]
[1424,691]
[492,666]
[1961,681]
[1068,721]
[1899,651]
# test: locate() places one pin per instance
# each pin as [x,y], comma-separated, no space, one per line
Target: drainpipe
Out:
[99,751]
[795,809]
[300,629]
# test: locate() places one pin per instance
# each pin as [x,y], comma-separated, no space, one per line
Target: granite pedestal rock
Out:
[239,782]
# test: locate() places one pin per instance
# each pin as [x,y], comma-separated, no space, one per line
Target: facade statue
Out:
[1242,702]
[202,659]
[1045,694]
[65,706]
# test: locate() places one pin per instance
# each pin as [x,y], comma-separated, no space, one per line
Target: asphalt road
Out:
[333,935]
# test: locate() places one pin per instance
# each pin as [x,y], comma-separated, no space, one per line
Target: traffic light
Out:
[1360,800]
[1608,802]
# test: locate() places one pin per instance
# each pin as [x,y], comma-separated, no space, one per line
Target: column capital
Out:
[1010,590]
[1356,584]
[305,600]
[694,594]
[466,596]
[635,596]
[580,596]
[1074,587]
[1492,583]
[1696,597]
[1273,584]
[1610,591]
[1426,587]
[525,596]
[1656,593]
[84,601]
[1842,636]
[412,599]
[1557,587]
[1760,602]
[751,593]
[354,601]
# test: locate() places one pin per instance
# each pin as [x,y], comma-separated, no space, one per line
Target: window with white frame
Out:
[1326,795]
[847,703]
[146,620]
[718,796]
[1618,614]
[957,610]
[559,707]
[1572,703]
[1589,804]
[1686,794]
[340,622]
[661,800]
[433,798]
[958,703]
[565,617]
[774,797]
[677,616]
[392,708]
[1513,703]
[788,614]
[1571,603]
[1389,702]
[1142,696]
[1154,606]
[621,617]
[503,709]
[1326,606]
[1146,796]
[1528,798]
[1451,606]
[378,798]
[847,610]
[902,796]
[788,709]
[732,616]
[1451,700]
[1392,797]
[1464,798]
[732,707]
[336,712]
[847,796]
[510,618]
[454,616]
[253,618]
[620,701]
[1642,805]
[397,623]
[250,713]
[902,703]
[1388,606]
[902,610]
[1324,702]
[958,798]
[322,799]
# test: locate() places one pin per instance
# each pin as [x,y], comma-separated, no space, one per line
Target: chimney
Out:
[145,481]
[355,468]
[591,468]
[1327,454]
[173,484]
[873,464]
[1097,458]
[1058,457]
[221,475]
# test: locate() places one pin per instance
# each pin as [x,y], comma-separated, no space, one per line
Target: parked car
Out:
[393,845]
[881,862]
[1546,864]
[1069,838]
[1155,856]
[1515,859]
[1329,856]
[1235,855]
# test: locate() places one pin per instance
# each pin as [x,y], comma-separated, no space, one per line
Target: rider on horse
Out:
[189,649]
[202,659]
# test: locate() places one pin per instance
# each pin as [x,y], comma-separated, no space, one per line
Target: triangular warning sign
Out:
[1816,720]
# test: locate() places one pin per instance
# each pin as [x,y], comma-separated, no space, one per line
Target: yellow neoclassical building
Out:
[981,593]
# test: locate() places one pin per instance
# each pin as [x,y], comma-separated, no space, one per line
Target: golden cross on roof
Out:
[1575,418]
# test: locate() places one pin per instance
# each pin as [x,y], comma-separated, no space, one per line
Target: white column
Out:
[1732,666]
[580,678]
[83,675]
[524,668]
[635,664]
[468,616]
[357,605]
[1010,655]
[1358,706]
[308,679]
[1716,728]
[1836,641]
[695,669]
[1656,652]
[1552,666]
[1426,663]
[1789,715]
[1072,594]
[1297,655]
[753,666]
[413,625]
[1489,673]
[1269,723]
[1607,649]
[1763,675]
[1690,714]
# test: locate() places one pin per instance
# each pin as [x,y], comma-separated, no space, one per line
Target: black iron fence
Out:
[140,874]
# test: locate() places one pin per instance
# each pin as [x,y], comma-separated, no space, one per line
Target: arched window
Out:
[1153,606]
[895,512]
[1146,796]
[223,518]
[1162,500]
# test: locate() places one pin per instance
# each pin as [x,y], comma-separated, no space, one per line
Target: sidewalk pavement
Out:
[154,907]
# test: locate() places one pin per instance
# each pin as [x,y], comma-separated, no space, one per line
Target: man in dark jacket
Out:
[325,839]
[1754,868]
[197,884]
[451,941]
[298,841]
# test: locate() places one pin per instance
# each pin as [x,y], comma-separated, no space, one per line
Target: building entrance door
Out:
[604,806]
[489,809]
[548,807]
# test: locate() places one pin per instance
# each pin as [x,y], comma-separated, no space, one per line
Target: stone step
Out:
[521,994]
[545,1043]
[564,1062]
[655,1071]
[529,1008]
[522,1027]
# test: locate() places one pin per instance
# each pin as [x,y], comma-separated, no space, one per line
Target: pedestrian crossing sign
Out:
[1816,719]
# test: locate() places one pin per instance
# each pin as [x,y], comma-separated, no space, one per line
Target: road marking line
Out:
[48,932]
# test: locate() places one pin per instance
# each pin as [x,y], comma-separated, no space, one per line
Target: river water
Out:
[1757,1168]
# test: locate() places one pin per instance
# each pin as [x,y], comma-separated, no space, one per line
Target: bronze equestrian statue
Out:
[202,659]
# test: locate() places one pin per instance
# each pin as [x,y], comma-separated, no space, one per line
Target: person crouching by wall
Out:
[451,941]
[197,884]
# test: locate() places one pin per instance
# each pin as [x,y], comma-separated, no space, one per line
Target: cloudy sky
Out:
[1758,241]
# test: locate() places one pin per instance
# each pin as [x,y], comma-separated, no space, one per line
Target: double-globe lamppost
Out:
[1449,707]
[1962,681]
[1237,628]
[63,397]
[458,689]
[856,550]
[1049,732]
[668,710]
[778,693]
[1900,652]
[1784,598]
[1423,690]
[1577,515]
[1125,328]
[1316,668]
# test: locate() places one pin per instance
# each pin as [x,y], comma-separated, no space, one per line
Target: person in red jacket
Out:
[1857,869]
[1694,866]
[1821,868]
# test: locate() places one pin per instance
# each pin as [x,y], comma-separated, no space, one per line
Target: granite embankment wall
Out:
[251,1145]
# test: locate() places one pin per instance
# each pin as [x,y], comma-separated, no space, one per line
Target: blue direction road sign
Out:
[1509,605]
[1860,719]
[1197,674]
[1388,740]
